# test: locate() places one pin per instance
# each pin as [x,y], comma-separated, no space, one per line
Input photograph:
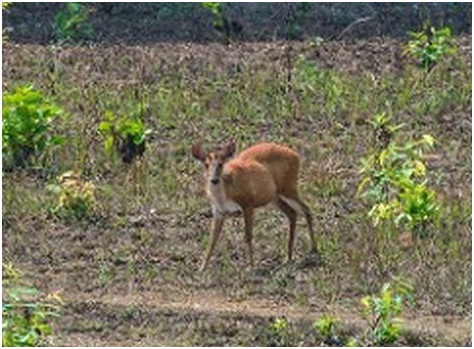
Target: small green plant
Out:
[281,334]
[430,45]
[127,135]
[325,325]
[27,119]
[394,176]
[381,311]
[216,10]
[26,315]
[71,24]
[76,196]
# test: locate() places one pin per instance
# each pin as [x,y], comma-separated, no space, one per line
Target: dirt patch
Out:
[180,315]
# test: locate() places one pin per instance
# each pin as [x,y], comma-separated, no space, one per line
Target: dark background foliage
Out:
[158,22]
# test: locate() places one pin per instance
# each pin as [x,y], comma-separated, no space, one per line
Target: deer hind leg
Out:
[291,214]
[299,206]
[309,220]
[216,229]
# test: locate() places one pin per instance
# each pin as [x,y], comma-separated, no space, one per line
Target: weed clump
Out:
[76,197]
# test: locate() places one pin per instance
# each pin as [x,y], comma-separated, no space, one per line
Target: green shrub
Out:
[26,315]
[394,176]
[429,46]
[127,135]
[27,118]
[71,24]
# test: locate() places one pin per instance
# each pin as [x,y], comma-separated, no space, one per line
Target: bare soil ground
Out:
[128,276]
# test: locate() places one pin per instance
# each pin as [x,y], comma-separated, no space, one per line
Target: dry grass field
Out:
[127,272]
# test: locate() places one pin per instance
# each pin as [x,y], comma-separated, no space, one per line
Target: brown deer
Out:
[262,174]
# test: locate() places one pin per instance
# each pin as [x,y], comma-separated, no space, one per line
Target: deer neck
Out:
[222,204]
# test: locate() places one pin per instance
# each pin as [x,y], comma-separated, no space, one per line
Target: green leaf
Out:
[324,325]
[109,144]
[105,127]
[53,188]
[362,184]
[44,329]
[429,140]
[58,140]
[352,342]
[366,303]
[17,292]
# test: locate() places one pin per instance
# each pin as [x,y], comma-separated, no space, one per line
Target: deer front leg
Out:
[216,228]
[248,219]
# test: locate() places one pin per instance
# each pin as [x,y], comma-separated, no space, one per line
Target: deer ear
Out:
[229,149]
[198,152]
